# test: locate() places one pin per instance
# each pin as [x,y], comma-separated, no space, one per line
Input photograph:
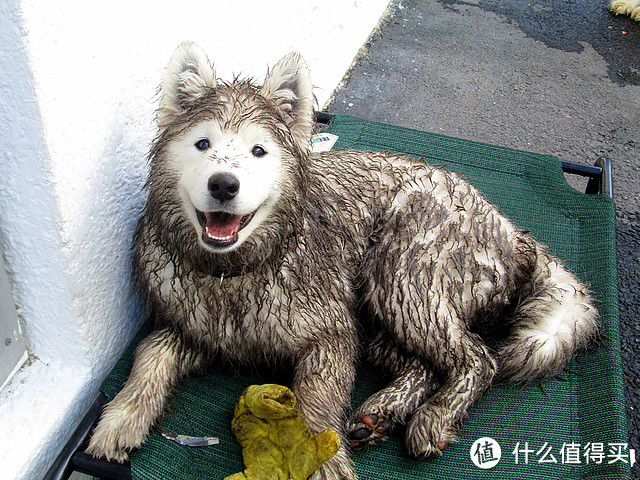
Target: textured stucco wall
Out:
[78,83]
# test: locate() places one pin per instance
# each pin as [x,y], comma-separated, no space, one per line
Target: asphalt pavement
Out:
[553,77]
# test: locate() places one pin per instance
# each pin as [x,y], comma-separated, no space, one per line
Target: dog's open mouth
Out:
[220,229]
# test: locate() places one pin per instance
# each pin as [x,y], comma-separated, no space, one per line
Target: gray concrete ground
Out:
[555,77]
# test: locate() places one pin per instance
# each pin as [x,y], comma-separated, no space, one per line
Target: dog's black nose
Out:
[223,186]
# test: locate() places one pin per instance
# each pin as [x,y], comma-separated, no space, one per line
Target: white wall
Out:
[78,83]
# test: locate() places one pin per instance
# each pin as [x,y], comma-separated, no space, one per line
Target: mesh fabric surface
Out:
[579,413]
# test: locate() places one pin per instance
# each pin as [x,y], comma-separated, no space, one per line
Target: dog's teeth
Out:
[222,226]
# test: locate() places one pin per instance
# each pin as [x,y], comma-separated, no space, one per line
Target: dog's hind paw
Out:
[428,434]
[366,429]
[390,406]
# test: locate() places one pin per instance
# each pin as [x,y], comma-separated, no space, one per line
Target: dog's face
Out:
[236,143]
[228,180]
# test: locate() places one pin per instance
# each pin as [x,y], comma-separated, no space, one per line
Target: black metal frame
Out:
[72,458]
[600,175]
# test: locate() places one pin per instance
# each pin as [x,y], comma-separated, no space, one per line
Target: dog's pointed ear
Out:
[288,86]
[188,75]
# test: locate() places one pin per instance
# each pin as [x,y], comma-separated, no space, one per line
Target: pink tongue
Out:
[221,225]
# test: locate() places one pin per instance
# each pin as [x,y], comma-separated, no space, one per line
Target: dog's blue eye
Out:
[202,144]
[258,151]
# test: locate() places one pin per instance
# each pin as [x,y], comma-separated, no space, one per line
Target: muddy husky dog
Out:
[252,247]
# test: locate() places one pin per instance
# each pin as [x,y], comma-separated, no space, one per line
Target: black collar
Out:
[222,274]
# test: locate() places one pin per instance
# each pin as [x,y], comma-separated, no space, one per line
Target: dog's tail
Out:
[554,319]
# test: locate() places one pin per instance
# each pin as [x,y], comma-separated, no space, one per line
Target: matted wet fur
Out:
[252,248]
[626,7]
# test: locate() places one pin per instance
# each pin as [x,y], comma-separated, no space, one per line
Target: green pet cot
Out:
[573,427]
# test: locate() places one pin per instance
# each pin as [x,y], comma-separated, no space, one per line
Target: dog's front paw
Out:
[429,431]
[338,467]
[105,445]
[119,431]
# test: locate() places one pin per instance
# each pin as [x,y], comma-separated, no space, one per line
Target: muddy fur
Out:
[332,233]
[626,7]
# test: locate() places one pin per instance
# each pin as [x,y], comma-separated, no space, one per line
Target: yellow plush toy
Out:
[276,444]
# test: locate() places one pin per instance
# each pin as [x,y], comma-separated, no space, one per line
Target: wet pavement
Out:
[552,77]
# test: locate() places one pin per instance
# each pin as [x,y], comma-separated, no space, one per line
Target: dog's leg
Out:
[438,263]
[425,313]
[468,371]
[323,384]
[413,383]
[160,362]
